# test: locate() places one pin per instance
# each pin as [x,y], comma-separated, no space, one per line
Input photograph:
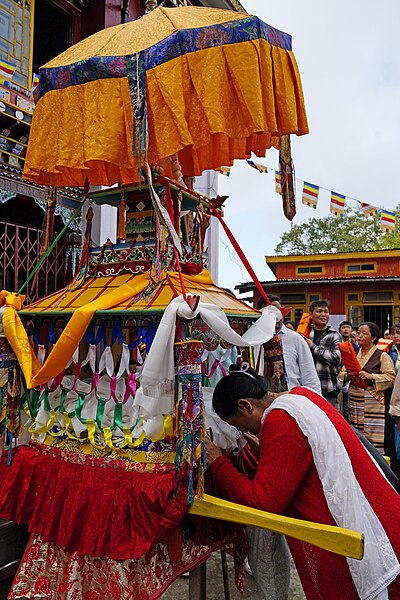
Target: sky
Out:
[349,61]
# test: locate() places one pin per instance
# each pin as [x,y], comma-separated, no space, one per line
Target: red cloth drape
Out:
[96,506]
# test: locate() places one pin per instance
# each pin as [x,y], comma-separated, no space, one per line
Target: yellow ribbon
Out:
[44,428]
[107,432]
[168,426]
[67,430]
[91,427]
[128,441]
[15,332]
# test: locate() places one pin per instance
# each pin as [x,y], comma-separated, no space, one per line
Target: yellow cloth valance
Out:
[15,332]
[34,373]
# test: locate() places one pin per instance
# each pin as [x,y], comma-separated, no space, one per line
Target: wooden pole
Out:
[335,539]
[197,583]
[225,577]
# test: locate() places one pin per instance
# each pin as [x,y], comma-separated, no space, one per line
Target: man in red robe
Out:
[287,482]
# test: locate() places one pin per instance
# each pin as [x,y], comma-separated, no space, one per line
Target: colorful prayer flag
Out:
[35,81]
[388,221]
[310,194]
[7,69]
[337,204]
[368,209]
[225,171]
[257,166]
[278,187]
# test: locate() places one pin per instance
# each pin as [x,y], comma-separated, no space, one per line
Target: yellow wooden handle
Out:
[335,539]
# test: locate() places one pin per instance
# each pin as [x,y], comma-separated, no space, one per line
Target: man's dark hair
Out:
[262,301]
[235,386]
[273,298]
[318,303]
[395,327]
[346,323]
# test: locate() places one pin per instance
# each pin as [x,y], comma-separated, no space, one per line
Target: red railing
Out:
[19,253]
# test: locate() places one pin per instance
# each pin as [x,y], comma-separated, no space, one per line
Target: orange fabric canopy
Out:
[206,84]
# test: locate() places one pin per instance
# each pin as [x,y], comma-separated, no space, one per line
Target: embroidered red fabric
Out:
[95,506]
[50,573]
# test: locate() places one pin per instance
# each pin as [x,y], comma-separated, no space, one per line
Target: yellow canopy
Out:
[206,84]
[99,294]
[156,297]
[138,35]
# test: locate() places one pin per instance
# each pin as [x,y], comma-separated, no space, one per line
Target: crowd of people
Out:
[373,409]
[319,448]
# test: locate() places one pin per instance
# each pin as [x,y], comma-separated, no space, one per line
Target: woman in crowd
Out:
[394,350]
[370,391]
[312,466]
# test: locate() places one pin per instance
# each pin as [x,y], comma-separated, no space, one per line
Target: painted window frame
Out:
[361,271]
[354,301]
[310,266]
[381,302]
[304,307]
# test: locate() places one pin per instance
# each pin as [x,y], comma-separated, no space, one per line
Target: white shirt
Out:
[299,363]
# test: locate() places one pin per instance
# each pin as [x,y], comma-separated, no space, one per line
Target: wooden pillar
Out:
[197,583]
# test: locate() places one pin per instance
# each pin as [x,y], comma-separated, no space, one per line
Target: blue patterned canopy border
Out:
[178,44]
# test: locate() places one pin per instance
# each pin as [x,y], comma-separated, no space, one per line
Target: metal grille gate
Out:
[19,252]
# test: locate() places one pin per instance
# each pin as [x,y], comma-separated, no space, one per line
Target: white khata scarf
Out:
[156,394]
[345,498]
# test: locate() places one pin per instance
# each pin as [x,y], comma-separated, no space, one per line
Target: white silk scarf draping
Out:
[225,436]
[157,380]
[346,501]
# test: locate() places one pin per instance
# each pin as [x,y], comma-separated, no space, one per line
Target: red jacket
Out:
[287,482]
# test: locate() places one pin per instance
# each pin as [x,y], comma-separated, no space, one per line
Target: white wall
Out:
[207,184]
[104,224]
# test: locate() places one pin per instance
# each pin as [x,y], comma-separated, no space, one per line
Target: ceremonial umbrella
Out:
[205,85]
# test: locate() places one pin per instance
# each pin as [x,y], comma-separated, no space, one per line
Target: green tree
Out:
[352,232]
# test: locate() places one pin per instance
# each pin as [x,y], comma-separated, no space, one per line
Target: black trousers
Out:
[389,445]
[389,474]
[332,398]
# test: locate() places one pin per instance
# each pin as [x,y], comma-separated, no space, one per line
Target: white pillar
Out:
[104,224]
[207,184]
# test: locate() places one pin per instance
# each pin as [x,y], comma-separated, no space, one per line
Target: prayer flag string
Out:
[310,197]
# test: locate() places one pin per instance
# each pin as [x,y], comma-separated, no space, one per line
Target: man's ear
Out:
[245,406]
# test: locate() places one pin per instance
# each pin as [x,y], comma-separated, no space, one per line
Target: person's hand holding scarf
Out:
[212,451]
[253,443]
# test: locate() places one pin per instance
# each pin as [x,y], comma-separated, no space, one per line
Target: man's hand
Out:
[253,443]
[212,451]
[309,342]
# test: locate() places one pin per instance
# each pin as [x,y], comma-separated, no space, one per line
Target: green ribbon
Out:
[79,406]
[101,403]
[63,397]
[118,416]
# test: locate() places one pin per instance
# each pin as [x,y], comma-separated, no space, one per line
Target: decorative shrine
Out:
[111,377]
[116,417]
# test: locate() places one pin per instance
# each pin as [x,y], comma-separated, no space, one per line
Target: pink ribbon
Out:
[130,389]
[57,381]
[113,388]
[95,383]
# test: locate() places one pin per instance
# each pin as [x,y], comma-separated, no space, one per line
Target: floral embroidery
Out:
[59,574]
[178,44]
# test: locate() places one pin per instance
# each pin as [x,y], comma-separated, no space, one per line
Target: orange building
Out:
[360,286]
